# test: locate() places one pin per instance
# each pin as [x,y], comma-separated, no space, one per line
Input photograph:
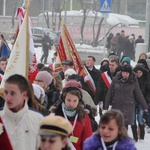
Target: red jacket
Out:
[82,130]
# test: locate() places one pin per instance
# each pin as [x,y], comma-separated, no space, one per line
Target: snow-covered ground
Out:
[141,145]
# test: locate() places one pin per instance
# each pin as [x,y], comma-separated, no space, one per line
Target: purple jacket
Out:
[94,143]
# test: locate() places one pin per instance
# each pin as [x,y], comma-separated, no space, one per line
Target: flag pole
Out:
[27,38]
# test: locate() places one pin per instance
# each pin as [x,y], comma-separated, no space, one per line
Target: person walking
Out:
[21,123]
[47,42]
[54,132]
[123,93]
[111,135]
[71,108]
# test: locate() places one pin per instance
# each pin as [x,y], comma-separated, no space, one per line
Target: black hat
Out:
[143,61]
[126,68]
[67,62]
[140,67]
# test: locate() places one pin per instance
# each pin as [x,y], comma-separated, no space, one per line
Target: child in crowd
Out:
[53,132]
[71,108]
[111,135]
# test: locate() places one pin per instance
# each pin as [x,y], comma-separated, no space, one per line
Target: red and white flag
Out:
[20,13]
[67,50]
[22,59]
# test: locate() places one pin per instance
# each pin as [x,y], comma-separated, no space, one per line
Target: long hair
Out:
[58,80]
[76,92]
[33,103]
[118,117]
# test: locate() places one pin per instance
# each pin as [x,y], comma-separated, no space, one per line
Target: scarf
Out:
[70,112]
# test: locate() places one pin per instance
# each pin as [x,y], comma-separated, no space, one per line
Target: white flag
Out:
[17,62]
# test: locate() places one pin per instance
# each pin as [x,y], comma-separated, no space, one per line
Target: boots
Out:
[134,132]
[142,131]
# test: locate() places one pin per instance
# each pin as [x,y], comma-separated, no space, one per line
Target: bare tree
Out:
[85,5]
[46,17]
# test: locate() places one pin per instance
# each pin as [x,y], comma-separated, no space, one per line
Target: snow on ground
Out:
[141,145]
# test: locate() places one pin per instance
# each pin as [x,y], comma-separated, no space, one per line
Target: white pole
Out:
[70,5]
[147,28]
[4,7]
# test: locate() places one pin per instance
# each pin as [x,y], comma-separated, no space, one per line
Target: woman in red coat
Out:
[72,109]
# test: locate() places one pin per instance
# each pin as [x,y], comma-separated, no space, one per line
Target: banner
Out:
[22,59]
[67,51]
[4,49]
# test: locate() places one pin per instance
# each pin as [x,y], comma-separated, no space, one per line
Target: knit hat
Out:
[70,72]
[126,68]
[38,91]
[45,77]
[70,86]
[127,60]
[73,83]
[55,125]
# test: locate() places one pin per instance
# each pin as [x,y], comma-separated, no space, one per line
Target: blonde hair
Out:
[144,55]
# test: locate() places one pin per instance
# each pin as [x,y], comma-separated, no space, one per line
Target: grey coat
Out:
[123,94]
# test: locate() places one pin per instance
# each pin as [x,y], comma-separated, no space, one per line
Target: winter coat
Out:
[94,143]
[52,95]
[22,127]
[122,96]
[129,49]
[88,100]
[121,43]
[47,42]
[101,89]
[82,129]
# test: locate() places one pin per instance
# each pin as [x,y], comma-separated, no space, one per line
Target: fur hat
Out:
[38,91]
[141,68]
[143,61]
[127,60]
[45,77]
[55,125]
[70,72]
[126,68]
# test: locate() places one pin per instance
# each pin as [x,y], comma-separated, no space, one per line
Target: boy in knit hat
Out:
[54,131]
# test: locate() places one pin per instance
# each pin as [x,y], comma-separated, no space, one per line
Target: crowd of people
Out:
[57,111]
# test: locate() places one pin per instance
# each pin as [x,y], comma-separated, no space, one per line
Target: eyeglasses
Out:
[47,140]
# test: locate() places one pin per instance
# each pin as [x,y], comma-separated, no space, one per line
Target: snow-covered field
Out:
[141,145]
